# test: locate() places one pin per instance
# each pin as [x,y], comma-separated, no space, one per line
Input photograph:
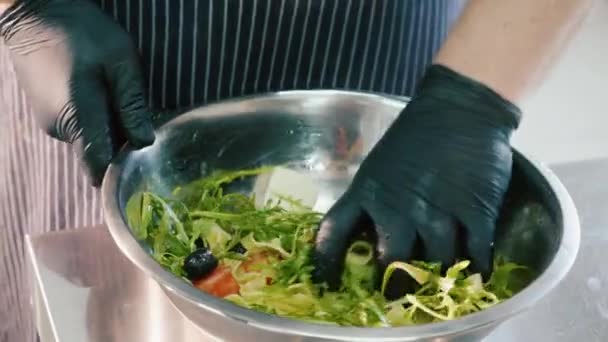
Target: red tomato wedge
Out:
[219,283]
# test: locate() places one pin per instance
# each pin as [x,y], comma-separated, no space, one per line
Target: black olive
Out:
[239,248]
[199,263]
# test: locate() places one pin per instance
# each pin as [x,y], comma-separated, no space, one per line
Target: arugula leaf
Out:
[508,278]
[134,214]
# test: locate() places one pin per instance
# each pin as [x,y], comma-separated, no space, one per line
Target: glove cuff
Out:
[475,99]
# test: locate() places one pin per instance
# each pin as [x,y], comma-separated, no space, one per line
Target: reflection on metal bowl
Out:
[326,134]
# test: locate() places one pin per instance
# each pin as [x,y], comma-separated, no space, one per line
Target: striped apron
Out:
[195,52]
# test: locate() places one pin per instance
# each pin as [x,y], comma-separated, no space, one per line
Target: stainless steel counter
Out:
[85,290]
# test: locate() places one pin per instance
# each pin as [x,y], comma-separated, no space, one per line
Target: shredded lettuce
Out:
[440,297]
[283,230]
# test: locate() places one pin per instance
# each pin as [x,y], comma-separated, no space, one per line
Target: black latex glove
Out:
[81,74]
[433,186]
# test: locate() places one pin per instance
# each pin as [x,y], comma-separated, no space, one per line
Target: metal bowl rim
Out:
[554,273]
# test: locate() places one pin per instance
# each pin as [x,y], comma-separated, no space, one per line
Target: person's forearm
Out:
[508,45]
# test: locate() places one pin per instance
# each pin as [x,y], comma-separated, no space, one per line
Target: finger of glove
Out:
[124,75]
[438,232]
[332,239]
[479,242]
[93,143]
[396,241]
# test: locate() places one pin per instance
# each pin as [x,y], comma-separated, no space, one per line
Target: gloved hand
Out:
[433,186]
[81,74]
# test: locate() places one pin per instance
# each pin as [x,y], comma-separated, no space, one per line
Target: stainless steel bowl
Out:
[538,227]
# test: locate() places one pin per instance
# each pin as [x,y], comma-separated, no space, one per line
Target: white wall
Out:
[568,118]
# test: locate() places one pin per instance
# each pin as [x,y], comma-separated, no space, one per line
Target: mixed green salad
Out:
[260,258]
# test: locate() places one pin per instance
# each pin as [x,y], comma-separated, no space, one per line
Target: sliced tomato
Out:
[219,283]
